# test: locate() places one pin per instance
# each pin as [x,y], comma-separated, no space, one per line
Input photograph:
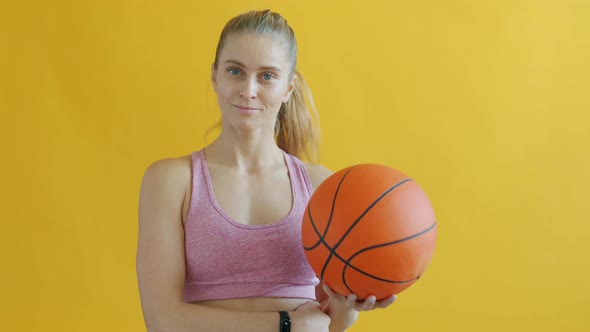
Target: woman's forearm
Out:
[188,317]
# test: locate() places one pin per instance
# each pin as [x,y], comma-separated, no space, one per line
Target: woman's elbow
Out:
[161,320]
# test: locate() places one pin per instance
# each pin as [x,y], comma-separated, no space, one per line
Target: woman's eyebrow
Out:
[277,69]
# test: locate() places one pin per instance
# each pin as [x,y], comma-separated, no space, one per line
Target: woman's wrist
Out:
[337,328]
[284,321]
[342,319]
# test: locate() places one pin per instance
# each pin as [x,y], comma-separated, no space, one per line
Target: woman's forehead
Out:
[254,51]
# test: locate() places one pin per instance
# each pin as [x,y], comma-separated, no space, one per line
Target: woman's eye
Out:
[267,77]
[234,71]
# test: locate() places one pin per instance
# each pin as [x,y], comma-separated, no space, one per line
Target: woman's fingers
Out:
[386,302]
[369,303]
[351,300]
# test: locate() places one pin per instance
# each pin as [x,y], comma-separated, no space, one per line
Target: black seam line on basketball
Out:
[368,209]
[344,279]
[320,241]
[350,289]
[347,263]
[321,238]
[326,265]
[333,249]
[331,213]
[380,279]
[392,242]
[334,201]
[329,221]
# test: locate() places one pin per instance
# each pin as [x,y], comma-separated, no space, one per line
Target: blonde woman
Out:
[220,229]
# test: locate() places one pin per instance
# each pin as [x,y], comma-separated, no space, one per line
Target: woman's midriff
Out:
[256,304]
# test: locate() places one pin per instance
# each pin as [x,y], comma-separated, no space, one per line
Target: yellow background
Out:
[484,103]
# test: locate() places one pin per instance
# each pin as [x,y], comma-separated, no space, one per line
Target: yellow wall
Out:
[484,103]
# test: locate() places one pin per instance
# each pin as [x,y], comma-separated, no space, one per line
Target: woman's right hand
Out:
[309,318]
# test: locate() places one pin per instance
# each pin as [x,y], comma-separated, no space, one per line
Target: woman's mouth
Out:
[246,109]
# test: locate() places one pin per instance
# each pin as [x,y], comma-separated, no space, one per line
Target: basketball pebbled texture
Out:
[369,230]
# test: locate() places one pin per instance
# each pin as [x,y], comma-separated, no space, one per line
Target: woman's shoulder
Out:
[163,190]
[317,173]
[169,171]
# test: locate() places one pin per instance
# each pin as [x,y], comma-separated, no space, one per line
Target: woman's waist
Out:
[256,303]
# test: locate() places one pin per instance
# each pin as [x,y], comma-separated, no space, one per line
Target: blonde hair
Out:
[297,126]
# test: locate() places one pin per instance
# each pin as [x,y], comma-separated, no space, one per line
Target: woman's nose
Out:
[250,89]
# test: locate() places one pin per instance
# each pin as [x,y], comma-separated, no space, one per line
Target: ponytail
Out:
[296,129]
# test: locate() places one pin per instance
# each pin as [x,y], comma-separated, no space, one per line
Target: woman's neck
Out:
[249,153]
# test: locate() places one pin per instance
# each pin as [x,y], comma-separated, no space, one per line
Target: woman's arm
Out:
[161,265]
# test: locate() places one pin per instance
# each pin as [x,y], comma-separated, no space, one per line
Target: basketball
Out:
[369,230]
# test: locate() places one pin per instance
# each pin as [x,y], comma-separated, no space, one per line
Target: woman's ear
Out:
[291,88]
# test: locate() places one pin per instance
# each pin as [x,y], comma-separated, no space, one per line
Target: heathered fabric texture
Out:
[226,259]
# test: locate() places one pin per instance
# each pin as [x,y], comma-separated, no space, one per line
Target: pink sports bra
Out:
[226,259]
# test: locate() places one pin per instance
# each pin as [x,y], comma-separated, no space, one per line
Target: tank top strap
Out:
[299,177]
[200,188]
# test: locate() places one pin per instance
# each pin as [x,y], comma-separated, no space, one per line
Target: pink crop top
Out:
[226,259]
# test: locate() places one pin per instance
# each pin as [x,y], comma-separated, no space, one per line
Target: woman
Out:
[219,244]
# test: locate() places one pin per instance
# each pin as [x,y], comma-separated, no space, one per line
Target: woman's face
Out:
[251,81]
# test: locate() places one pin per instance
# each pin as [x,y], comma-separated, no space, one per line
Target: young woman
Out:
[219,244]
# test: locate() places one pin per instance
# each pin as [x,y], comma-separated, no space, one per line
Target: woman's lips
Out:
[246,109]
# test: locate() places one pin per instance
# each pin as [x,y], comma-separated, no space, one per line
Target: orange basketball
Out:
[369,230]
